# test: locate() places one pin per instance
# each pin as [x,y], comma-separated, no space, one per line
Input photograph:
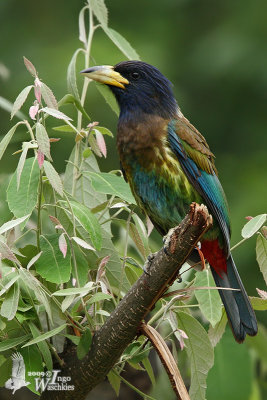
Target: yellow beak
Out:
[106,74]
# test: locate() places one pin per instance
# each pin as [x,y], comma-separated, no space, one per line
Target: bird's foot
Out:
[148,262]
[201,255]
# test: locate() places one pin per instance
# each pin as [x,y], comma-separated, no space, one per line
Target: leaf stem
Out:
[39,207]
[238,244]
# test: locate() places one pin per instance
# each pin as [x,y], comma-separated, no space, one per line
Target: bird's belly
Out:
[165,194]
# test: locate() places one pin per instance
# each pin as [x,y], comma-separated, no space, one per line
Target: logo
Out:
[17,379]
[49,380]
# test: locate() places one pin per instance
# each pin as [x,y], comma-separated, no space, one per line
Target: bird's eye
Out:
[135,75]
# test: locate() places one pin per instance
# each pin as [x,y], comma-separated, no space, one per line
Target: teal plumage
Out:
[169,165]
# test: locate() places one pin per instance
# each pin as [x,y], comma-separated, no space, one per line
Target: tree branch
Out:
[123,324]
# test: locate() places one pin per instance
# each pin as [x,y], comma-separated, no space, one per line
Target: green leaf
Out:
[73,338]
[215,333]
[109,98]
[84,344]
[42,139]
[143,233]
[7,344]
[11,224]
[114,381]
[111,184]
[209,300]
[52,265]
[6,139]
[10,303]
[70,99]
[253,226]
[146,363]
[89,222]
[22,159]
[200,353]
[46,335]
[63,128]
[232,374]
[100,10]
[261,255]
[71,75]
[82,30]
[23,201]
[6,252]
[258,303]
[104,131]
[121,43]
[20,100]
[53,178]
[30,281]
[76,291]
[98,297]
[7,106]
[48,96]
[43,346]
[55,113]
[33,362]
[137,240]
[9,284]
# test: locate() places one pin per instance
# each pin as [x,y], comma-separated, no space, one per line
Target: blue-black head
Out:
[138,87]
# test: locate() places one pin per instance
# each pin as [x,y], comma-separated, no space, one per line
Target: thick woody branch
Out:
[123,324]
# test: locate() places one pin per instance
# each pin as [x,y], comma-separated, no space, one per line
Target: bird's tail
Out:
[237,304]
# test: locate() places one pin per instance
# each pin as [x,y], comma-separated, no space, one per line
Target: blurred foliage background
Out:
[215,54]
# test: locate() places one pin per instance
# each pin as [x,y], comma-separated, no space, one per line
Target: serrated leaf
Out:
[82,30]
[10,303]
[7,253]
[11,224]
[53,178]
[111,184]
[200,353]
[89,222]
[23,201]
[70,99]
[104,131]
[101,142]
[82,243]
[30,67]
[84,344]
[46,335]
[20,100]
[71,75]
[253,226]
[52,265]
[261,255]
[6,139]
[100,10]
[215,333]
[7,344]
[43,346]
[55,113]
[209,299]
[121,43]
[48,96]
[115,382]
[109,98]
[42,139]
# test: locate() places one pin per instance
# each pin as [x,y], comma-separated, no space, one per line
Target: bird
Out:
[17,379]
[168,165]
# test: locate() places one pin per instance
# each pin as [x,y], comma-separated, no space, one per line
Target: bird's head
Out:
[138,87]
